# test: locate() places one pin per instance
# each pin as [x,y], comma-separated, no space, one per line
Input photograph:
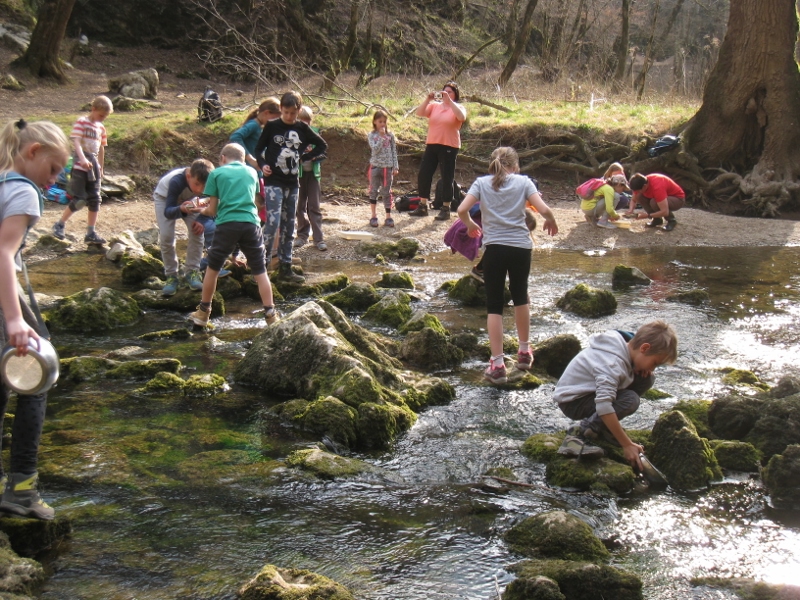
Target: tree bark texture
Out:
[42,56]
[621,48]
[522,41]
[658,44]
[750,116]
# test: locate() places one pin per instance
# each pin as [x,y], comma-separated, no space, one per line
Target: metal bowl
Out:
[34,373]
[653,475]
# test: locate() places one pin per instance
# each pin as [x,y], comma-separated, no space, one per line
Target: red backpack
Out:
[587,188]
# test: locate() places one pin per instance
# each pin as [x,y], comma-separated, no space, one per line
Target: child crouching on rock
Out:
[233,192]
[603,384]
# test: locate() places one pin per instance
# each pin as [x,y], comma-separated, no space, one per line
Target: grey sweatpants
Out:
[380,184]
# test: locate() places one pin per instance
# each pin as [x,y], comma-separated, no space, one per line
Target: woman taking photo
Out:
[445,117]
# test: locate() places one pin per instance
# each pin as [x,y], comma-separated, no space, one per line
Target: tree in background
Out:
[43,54]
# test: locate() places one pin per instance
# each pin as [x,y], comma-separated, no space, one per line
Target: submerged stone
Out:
[395,279]
[577,580]
[403,248]
[85,368]
[782,478]
[694,297]
[686,459]
[556,534]
[430,349]
[354,298]
[94,310]
[225,468]
[555,353]
[393,310]
[208,384]
[586,301]
[736,456]
[276,583]
[144,369]
[624,276]
[166,334]
[326,465]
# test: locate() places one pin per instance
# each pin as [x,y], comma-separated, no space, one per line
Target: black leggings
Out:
[499,260]
[438,155]
[26,431]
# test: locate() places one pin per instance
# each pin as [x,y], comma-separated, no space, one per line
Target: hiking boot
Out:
[200,316]
[271,315]
[670,225]
[444,215]
[524,360]
[195,280]
[420,211]
[171,286]
[496,375]
[655,222]
[322,246]
[59,230]
[21,497]
[93,238]
[298,242]
[577,447]
[477,274]
[286,274]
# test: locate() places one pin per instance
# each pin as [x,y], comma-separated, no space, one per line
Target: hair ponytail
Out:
[15,135]
[504,162]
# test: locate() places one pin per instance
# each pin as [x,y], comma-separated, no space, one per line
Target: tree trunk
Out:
[519,46]
[621,47]
[749,116]
[342,62]
[511,26]
[660,43]
[368,68]
[642,77]
[42,56]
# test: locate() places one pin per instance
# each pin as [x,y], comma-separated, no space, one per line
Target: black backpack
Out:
[209,108]
[408,201]
[664,144]
[458,194]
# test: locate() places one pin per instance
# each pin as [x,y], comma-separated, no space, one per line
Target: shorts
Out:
[84,190]
[250,240]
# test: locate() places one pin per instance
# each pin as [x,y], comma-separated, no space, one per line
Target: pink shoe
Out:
[496,375]
[524,360]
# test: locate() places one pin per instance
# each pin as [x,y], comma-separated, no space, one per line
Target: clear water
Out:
[431,527]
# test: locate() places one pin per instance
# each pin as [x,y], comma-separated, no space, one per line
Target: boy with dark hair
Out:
[89,141]
[280,151]
[660,197]
[604,382]
[173,200]
[233,192]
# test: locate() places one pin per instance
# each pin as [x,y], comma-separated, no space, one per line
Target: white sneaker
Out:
[606,225]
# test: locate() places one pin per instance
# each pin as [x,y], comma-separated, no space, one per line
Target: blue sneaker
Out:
[223,273]
[195,280]
[171,287]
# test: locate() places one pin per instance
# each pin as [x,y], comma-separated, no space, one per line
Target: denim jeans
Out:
[281,212]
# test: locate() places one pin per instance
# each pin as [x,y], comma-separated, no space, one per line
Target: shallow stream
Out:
[430,528]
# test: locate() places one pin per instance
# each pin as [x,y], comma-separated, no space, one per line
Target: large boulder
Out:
[576,580]
[393,309]
[777,427]
[355,297]
[782,478]
[420,320]
[94,310]
[732,417]
[136,84]
[686,459]
[555,353]
[275,583]
[430,349]
[556,534]
[395,279]
[736,456]
[586,301]
[469,291]
[624,276]
[697,412]
[138,266]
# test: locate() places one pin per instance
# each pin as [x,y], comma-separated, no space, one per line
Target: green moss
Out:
[396,279]
[428,392]
[421,319]
[586,301]
[317,289]
[697,412]
[467,291]
[599,475]
[136,269]
[392,310]
[167,334]
[208,384]
[273,583]
[624,276]
[555,353]
[144,369]
[556,534]
[163,383]
[542,447]
[742,377]
[782,478]
[430,350]
[354,298]
[28,537]
[578,580]
[404,248]
[332,417]
[326,465]
[654,394]
[94,310]
[185,301]
[692,297]
[225,468]
[774,429]
[84,368]
[733,417]
[736,456]
[379,425]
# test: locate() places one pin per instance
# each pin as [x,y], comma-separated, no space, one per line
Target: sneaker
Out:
[606,225]
[223,273]
[670,225]
[496,375]
[171,286]
[655,222]
[420,211]
[271,316]
[524,360]
[93,238]
[477,274]
[298,242]
[21,497]
[286,274]
[444,215]
[195,280]
[373,222]
[389,222]
[322,246]
[576,447]
[59,230]
[200,316]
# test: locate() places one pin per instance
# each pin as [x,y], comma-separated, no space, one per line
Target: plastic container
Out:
[361,236]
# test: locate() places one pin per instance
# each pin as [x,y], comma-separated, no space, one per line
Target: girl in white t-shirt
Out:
[504,195]
[37,152]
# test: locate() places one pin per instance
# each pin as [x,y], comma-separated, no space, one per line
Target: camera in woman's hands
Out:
[437,96]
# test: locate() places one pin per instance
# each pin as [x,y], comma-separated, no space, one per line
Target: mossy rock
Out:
[380,424]
[326,465]
[697,412]
[533,588]
[94,310]
[184,300]
[788,385]
[782,478]
[208,384]
[250,289]
[468,342]
[686,459]
[354,387]
[624,276]
[599,475]
[555,353]
[48,243]
[396,279]
[420,320]
[136,268]
[470,292]
[542,447]
[556,534]
[732,417]
[392,310]
[85,368]
[430,349]
[225,468]
[163,383]
[735,377]
[31,537]
[18,575]
[166,334]
[521,380]
[229,288]
[356,297]
[431,391]
[275,583]
[403,248]
[144,369]
[736,456]
[315,287]
[654,394]
[578,580]
[586,301]
[694,297]
[331,417]
[776,427]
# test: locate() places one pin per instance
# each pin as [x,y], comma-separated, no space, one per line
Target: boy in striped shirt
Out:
[89,141]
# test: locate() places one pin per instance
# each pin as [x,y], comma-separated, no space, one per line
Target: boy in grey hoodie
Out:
[603,383]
